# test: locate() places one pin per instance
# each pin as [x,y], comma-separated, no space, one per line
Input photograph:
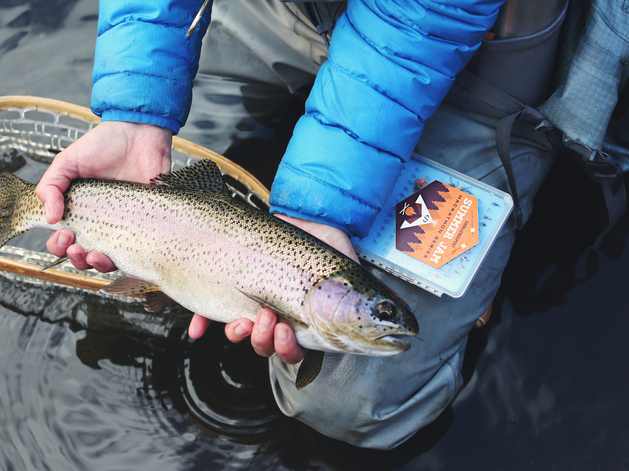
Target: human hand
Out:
[269,336]
[113,150]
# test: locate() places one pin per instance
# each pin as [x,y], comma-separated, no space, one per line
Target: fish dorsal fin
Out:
[204,176]
[129,285]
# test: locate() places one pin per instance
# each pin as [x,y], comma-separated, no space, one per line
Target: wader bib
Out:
[512,74]
[590,73]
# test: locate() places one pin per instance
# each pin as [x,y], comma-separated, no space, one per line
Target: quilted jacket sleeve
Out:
[144,65]
[390,65]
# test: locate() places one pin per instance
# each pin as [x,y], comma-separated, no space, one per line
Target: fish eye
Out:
[385,310]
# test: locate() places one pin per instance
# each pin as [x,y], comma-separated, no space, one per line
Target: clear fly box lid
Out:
[436,228]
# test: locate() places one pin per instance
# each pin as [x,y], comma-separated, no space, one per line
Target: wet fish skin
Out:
[187,237]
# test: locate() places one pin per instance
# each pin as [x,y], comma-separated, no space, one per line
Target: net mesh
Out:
[41,128]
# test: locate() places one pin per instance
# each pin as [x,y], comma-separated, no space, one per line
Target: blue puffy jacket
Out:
[143,63]
[391,63]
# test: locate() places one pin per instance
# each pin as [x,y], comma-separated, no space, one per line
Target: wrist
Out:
[141,118]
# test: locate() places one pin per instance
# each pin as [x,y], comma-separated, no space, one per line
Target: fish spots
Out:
[208,242]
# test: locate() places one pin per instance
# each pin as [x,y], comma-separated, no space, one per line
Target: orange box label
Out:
[436,224]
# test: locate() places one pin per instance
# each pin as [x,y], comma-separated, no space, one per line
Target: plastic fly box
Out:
[436,236]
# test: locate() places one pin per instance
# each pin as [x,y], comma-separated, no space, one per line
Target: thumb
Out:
[53,201]
[51,187]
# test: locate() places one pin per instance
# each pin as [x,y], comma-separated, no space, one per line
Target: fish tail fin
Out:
[20,208]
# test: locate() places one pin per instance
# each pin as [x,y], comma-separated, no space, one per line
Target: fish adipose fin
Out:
[309,369]
[204,176]
[129,285]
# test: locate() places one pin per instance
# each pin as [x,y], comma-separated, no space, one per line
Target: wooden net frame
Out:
[41,128]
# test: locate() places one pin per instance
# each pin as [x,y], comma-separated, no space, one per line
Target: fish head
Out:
[356,313]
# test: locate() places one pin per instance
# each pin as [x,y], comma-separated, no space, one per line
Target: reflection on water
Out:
[11,161]
[247,123]
[47,48]
[551,379]
[88,382]
[52,401]
[92,383]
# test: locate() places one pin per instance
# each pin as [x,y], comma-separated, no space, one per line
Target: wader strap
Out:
[609,175]
[514,110]
[322,14]
[597,164]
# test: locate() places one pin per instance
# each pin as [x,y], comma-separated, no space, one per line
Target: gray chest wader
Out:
[513,74]
[511,77]
[322,14]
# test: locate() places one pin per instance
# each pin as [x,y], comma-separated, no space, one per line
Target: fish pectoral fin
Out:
[264,303]
[309,369]
[311,364]
[130,285]
[55,263]
[156,301]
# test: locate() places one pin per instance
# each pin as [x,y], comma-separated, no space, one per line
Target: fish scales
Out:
[238,255]
[186,236]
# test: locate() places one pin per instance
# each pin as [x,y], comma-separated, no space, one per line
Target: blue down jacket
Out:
[390,65]
[143,63]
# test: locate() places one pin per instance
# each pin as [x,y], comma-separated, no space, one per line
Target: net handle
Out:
[61,107]
[56,276]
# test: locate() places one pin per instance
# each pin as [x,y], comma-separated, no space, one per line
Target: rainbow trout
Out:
[185,238]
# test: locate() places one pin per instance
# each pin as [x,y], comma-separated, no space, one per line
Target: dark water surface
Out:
[91,383]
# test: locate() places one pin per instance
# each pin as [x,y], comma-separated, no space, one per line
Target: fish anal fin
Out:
[129,285]
[204,176]
[156,301]
[55,263]
[309,369]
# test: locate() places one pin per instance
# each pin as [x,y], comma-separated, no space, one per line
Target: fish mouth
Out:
[397,342]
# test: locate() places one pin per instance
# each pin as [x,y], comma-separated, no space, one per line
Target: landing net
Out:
[41,128]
